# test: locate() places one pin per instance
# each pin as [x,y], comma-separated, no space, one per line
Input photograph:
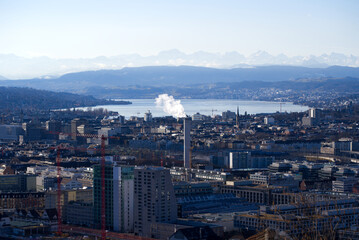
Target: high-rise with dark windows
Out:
[119,192]
[154,199]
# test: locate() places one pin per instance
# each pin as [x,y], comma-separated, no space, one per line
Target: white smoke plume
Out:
[170,105]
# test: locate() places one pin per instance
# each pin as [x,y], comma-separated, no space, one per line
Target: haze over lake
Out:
[203,106]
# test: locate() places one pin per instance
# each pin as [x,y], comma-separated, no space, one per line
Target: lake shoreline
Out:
[207,107]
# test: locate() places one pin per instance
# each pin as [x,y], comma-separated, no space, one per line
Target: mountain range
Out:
[15,67]
[139,82]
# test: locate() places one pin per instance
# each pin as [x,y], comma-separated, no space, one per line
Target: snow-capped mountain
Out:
[15,67]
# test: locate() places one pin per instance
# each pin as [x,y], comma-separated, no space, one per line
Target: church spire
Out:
[237,117]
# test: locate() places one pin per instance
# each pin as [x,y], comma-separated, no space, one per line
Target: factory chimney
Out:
[187,142]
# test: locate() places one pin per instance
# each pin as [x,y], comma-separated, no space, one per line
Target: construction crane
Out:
[103,200]
[103,206]
[59,217]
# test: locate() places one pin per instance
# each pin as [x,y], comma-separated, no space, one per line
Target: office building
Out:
[33,131]
[344,184]
[154,199]
[179,173]
[10,132]
[75,123]
[240,160]
[67,197]
[53,129]
[119,198]
[108,133]
[18,183]
[228,115]
[312,113]
[79,213]
[279,167]
[148,116]
[261,161]
[197,117]
[123,197]
[268,120]
[307,121]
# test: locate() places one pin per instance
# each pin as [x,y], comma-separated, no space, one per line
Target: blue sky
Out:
[85,28]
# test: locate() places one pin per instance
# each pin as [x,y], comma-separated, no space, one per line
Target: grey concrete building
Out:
[154,199]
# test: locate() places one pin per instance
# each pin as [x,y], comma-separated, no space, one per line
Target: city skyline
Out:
[179,119]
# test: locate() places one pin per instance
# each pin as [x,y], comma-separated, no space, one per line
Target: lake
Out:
[203,106]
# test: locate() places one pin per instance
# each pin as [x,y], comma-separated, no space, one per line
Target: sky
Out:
[86,28]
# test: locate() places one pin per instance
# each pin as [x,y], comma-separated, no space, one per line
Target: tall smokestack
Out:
[187,142]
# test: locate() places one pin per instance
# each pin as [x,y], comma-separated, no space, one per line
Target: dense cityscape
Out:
[179,120]
[232,175]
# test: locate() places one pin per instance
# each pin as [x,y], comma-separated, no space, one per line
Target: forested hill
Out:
[171,76]
[27,98]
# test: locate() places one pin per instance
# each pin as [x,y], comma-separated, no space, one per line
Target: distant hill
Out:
[46,66]
[26,98]
[237,90]
[166,76]
[339,85]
